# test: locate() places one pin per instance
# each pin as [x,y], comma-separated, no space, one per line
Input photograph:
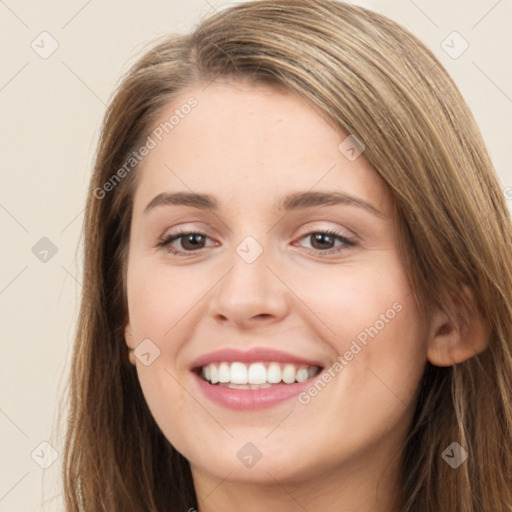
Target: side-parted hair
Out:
[374,80]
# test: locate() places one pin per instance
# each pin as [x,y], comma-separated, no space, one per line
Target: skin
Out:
[249,146]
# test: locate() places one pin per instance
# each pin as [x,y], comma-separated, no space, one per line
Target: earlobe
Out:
[451,344]
[128,337]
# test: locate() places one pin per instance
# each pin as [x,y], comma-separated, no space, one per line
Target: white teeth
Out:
[257,373]
[247,386]
[288,374]
[260,386]
[274,373]
[239,375]
[302,375]
[224,372]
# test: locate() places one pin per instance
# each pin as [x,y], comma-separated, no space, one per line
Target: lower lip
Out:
[251,399]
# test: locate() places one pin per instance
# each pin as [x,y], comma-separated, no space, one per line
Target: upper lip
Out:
[252,355]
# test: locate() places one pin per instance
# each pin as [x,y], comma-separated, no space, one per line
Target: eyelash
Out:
[167,240]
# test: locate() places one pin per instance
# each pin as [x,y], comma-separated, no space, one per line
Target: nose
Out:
[250,294]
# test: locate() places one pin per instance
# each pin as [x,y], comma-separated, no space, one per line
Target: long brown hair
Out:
[375,80]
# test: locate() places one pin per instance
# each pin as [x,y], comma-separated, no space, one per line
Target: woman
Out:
[298,289]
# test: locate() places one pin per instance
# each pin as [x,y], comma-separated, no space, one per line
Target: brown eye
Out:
[188,242]
[323,242]
[192,241]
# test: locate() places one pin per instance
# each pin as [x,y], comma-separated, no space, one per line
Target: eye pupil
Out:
[322,238]
[194,239]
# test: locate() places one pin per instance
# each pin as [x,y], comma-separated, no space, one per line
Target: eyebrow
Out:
[291,202]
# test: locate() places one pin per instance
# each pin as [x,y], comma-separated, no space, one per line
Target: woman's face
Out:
[278,273]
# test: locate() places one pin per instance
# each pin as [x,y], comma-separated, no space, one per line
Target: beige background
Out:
[51,110]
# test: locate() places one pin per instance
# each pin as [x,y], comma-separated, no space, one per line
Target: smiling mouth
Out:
[257,375]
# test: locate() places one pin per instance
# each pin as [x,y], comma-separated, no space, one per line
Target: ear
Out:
[451,344]
[128,337]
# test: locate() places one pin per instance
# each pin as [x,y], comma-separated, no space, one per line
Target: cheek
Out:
[355,297]
[376,330]
[368,315]
[158,299]
[168,402]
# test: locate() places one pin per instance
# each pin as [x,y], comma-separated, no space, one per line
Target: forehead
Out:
[243,141]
